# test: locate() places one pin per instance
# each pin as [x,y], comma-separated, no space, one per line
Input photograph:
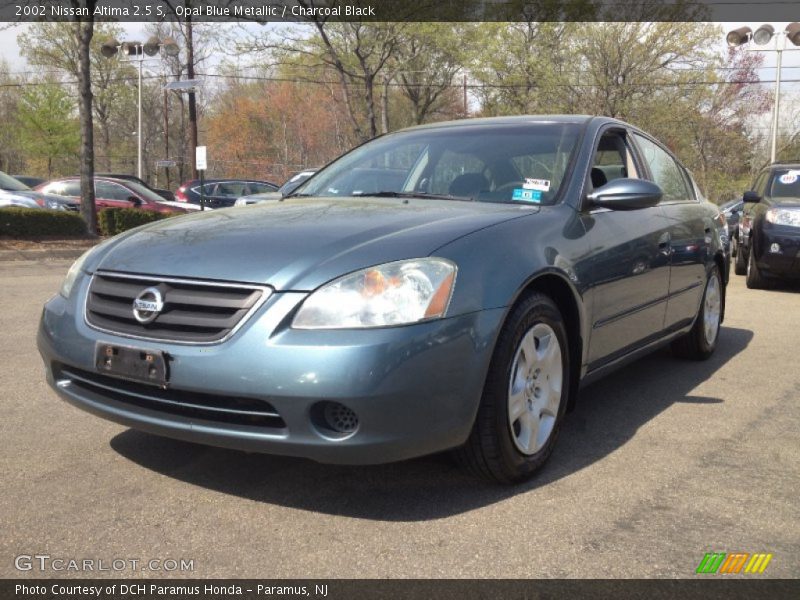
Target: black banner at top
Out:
[268,11]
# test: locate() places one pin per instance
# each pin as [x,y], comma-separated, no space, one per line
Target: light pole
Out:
[762,36]
[190,87]
[136,51]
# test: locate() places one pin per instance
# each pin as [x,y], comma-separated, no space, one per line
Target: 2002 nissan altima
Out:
[449,286]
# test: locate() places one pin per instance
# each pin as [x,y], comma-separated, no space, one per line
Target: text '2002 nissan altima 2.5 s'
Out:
[449,286]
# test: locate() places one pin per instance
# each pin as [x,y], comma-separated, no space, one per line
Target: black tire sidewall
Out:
[537,309]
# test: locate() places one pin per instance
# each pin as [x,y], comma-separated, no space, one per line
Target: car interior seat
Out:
[468,184]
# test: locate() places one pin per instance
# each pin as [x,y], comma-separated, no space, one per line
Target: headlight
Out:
[396,293]
[77,267]
[784,216]
[72,274]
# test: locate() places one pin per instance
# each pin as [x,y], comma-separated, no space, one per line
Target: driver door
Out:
[628,265]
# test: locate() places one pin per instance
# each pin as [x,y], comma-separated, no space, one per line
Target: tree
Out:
[47,126]
[81,41]
[357,54]
[430,56]
[54,45]
[271,129]
[12,159]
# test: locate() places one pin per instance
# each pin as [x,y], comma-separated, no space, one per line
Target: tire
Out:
[740,266]
[701,341]
[529,377]
[734,246]
[755,280]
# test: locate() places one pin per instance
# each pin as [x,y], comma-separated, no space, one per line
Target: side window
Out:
[612,160]
[691,185]
[111,191]
[667,174]
[69,188]
[259,188]
[231,189]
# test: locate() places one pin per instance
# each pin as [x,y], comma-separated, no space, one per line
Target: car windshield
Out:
[522,163]
[10,184]
[144,192]
[785,184]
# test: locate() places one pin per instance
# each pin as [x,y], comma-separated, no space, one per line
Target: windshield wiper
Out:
[424,195]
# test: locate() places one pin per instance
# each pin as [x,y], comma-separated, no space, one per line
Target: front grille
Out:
[194,405]
[193,311]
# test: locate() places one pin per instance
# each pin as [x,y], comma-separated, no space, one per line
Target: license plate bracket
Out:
[137,364]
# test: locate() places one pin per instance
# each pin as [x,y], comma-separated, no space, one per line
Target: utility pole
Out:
[192,99]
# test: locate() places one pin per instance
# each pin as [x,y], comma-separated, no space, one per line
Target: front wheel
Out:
[524,397]
[755,280]
[740,266]
[701,341]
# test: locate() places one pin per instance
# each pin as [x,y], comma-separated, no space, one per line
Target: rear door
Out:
[690,232]
[629,260]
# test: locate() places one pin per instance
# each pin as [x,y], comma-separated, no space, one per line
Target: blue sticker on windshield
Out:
[527,195]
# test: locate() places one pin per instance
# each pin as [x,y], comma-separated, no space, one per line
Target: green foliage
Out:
[48,129]
[112,221]
[38,222]
[55,46]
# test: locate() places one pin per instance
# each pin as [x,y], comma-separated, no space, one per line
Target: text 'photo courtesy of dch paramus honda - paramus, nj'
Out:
[445,287]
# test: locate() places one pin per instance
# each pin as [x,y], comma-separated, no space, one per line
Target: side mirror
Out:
[135,200]
[627,194]
[751,197]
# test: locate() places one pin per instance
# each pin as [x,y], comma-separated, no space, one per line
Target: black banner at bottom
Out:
[707,588]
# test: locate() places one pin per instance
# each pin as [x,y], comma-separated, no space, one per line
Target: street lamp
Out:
[763,36]
[137,51]
[189,87]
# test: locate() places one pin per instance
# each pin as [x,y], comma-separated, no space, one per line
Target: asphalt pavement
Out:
[661,462]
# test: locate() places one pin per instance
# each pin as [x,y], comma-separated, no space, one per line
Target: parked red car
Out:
[111,193]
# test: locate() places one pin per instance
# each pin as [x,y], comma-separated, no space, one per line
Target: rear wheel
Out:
[755,280]
[701,341]
[524,397]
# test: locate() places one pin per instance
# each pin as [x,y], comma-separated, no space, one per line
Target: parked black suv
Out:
[769,232]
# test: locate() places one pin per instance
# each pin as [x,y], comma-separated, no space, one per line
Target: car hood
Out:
[786,202]
[299,244]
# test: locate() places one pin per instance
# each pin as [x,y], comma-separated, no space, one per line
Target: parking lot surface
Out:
[661,462]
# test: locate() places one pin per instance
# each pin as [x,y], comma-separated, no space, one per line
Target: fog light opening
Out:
[334,420]
[775,248]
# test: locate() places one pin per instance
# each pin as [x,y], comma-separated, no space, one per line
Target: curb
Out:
[49,254]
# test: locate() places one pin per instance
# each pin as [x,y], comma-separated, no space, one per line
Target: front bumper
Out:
[415,388]
[784,263]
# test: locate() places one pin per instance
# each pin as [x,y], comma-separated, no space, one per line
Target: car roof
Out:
[96,177]
[510,120]
[783,165]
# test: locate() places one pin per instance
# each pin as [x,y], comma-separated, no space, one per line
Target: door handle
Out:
[664,243]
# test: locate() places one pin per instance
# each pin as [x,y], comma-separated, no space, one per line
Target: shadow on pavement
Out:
[608,414]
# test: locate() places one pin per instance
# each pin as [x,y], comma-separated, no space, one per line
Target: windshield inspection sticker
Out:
[542,185]
[789,178]
[527,195]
